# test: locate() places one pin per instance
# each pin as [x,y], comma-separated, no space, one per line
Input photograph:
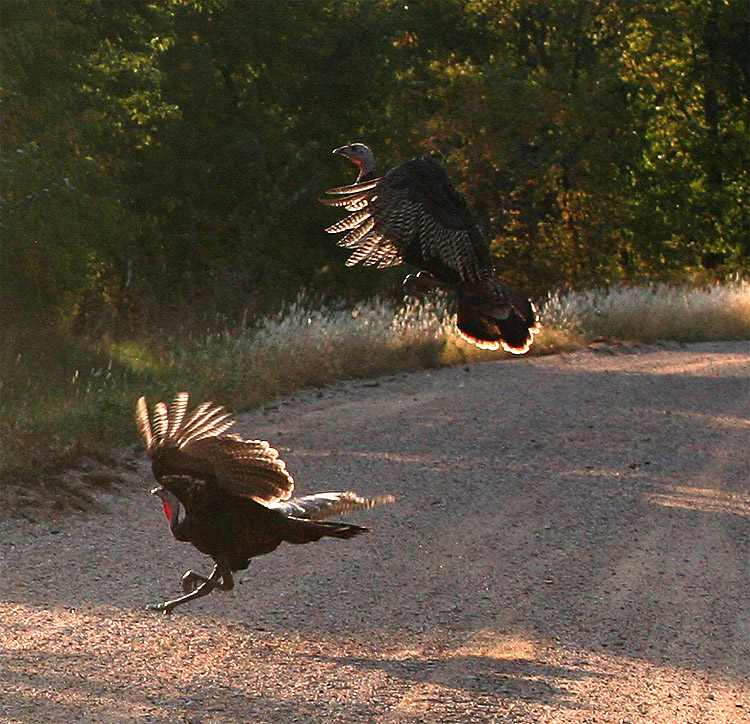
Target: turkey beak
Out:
[155,491]
[343,150]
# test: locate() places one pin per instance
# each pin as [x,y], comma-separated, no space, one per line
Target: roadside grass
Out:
[655,312]
[63,400]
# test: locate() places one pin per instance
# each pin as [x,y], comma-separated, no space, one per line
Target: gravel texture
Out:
[570,543]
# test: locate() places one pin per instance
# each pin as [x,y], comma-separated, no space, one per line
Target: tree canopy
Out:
[163,156]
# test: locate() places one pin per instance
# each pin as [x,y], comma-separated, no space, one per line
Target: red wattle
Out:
[167,510]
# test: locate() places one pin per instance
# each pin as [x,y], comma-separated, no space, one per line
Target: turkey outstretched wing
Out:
[371,247]
[247,468]
[413,214]
[199,446]
[323,505]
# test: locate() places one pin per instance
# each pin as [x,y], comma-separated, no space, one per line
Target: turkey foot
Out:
[417,285]
[192,580]
[218,579]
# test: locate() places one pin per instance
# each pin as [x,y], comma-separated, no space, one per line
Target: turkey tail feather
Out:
[491,316]
[343,530]
[299,530]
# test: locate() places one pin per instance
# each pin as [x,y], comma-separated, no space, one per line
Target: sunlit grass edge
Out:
[51,412]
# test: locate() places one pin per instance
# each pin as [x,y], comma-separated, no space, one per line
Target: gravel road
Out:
[570,543]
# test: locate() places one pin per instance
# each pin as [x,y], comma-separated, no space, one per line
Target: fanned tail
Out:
[491,315]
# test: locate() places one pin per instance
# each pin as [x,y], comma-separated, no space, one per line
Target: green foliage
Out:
[604,141]
[690,64]
[163,158]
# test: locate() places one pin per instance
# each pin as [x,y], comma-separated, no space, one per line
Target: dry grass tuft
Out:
[304,346]
[654,312]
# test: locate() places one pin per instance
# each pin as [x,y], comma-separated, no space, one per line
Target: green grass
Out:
[61,398]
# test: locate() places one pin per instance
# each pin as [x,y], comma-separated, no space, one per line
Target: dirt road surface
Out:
[570,543]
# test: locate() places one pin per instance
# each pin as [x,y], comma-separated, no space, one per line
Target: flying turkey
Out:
[414,215]
[235,493]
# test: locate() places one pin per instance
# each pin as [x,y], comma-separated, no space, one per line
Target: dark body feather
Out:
[417,204]
[415,215]
[235,493]
[236,529]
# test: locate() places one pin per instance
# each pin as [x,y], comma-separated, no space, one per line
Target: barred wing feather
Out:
[325,505]
[412,214]
[201,448]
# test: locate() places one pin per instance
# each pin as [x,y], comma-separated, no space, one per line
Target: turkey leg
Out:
[220,578]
